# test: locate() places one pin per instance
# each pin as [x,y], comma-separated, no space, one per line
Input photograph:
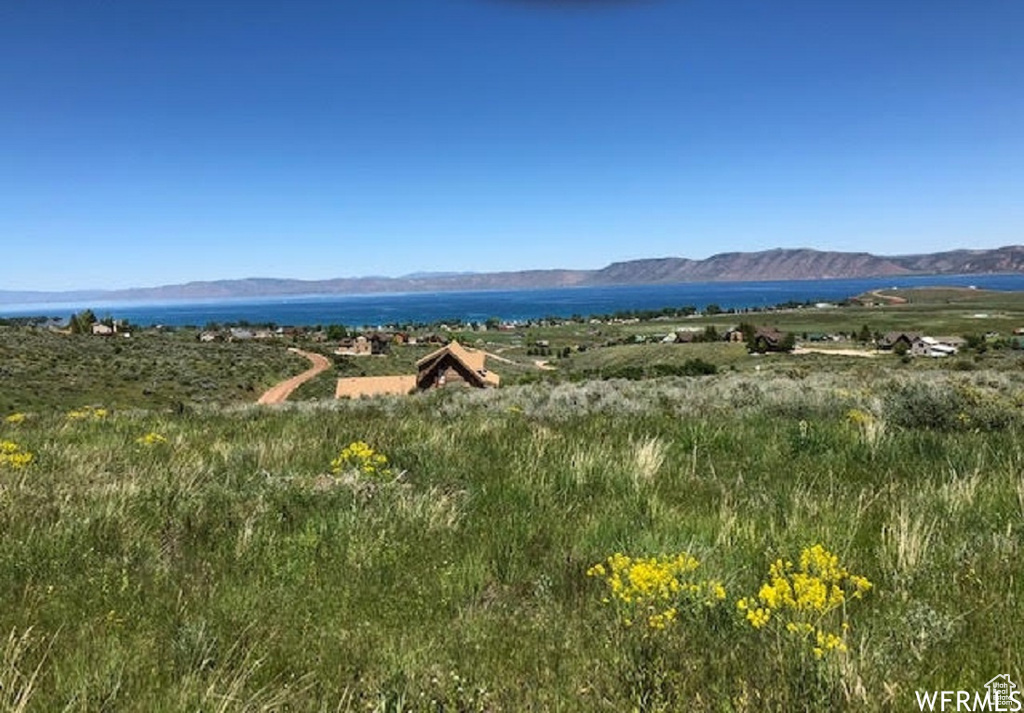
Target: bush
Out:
[921,405]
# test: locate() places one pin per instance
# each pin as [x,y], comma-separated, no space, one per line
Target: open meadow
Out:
[790,533]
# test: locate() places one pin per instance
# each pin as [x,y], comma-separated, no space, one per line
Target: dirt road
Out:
[891,299]
[279,393]
[836,352]
[539,363]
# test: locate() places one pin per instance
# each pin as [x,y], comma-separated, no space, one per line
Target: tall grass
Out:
[228,568]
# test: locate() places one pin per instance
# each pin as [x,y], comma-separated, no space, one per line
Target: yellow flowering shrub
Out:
[807,600]
[359,457]
[15,418]
[14,456]
[151,439]
[859,417]
[88,413]
[652,590]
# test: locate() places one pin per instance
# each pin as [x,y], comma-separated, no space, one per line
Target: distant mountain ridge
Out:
[777,264]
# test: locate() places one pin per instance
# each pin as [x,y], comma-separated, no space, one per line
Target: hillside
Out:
[778,264]
[258,559]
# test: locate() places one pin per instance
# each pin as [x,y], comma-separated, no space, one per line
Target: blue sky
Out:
[156,142]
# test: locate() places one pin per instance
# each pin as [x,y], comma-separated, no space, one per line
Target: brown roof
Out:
[355,386]
[891,338]
[470,357]
[474,360]
[770,334]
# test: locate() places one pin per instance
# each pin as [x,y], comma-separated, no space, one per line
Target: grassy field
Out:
[224,566]
[41,370]
[808,532]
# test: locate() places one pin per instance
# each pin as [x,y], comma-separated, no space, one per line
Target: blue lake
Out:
[377,309]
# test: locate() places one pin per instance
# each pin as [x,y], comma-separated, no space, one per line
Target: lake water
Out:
[377,309]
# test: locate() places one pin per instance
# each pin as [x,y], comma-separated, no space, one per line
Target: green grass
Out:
[41,370]
[611,360]
[228,570]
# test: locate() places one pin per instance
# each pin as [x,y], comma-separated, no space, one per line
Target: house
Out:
[891,339]
[104,330]
[769,339]
[931,347]
[210,336]
[380,343]
[360,346]
[238,334]
[957,343]
[733,335]
[454,364]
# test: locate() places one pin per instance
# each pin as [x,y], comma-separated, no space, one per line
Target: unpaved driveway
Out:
[279,393]
[891,299]
[539,363]
[836,352]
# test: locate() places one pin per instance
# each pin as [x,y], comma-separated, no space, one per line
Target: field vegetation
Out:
[246,558]
[42,370]
[775,532]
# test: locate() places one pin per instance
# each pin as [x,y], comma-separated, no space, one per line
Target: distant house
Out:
[768,339]
[454,364]
[931,347]
[238,334]
[733,335]
[955,342]
[380,343]
[210,336]
[891,339]
[103,330]
[360,346]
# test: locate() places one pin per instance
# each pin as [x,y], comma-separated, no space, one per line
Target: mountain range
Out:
[778,264]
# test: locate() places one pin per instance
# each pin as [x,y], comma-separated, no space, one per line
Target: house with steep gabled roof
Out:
[769,339]
[891,339]
[454,364]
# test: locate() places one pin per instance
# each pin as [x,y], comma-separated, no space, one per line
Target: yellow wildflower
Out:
[14,456]
[151,439]
[807,598]
[358,456]
[88,413]
[652,589]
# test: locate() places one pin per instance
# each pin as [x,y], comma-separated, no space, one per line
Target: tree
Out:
[82,322]
[710,334]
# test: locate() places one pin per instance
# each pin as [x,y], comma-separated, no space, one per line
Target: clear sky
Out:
[158,141]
